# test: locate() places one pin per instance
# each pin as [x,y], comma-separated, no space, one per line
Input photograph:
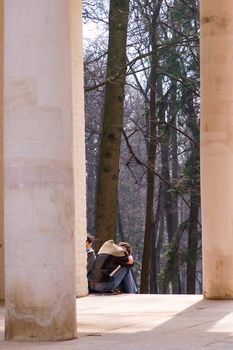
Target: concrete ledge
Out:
[138,322]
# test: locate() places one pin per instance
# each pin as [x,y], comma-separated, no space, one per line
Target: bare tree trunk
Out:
[192,244]
[161,233]
[193,232]
[153,267]
[176,284]
[157,242]
[150,187]
[171,213]
[107,184]
[146,259]
[154,258]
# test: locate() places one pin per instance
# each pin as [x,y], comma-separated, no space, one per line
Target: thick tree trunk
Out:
[108,173]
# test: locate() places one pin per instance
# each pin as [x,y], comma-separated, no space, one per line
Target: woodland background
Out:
[141,63]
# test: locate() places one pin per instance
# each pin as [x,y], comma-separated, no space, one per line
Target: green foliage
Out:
[171,257]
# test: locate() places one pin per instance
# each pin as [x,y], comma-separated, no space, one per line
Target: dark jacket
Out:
[109,257]
[90,261]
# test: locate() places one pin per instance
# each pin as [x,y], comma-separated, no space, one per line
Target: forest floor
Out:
[143,322]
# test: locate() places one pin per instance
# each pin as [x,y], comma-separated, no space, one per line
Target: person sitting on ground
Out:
[112,268]
[91,257]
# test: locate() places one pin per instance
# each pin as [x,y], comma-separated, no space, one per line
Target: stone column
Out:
[39,178]
[79,151]
[217,146]
[1,157]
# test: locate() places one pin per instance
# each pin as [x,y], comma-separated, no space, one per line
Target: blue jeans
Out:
[123,277]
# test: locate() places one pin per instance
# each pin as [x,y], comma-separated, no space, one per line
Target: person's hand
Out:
[130,260]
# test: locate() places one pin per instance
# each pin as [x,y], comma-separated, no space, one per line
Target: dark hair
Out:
[90,239]
[127,247]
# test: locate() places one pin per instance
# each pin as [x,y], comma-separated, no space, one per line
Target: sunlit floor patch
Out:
[224,325]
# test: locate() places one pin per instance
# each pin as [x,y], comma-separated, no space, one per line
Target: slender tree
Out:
[193,179]
[149,225]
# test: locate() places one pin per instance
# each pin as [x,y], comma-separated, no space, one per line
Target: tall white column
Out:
[1,157]
[79,149]
[39,181]
[217,146]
